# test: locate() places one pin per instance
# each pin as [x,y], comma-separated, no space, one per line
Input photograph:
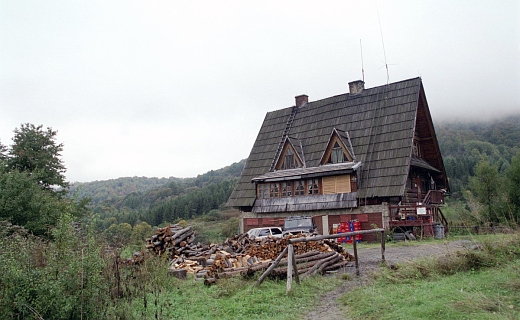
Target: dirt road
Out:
[369,260]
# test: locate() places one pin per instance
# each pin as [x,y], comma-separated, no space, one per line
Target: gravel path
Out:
[369,260]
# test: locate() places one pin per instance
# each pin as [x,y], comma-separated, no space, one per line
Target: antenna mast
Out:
[383,42]
[362,68]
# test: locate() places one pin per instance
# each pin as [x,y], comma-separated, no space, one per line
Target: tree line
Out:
[177,199]
[483,168]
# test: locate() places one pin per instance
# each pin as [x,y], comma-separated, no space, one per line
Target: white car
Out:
[265,232]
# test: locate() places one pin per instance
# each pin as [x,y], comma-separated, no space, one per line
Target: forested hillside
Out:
[108,190]
[464,144]
[153,200]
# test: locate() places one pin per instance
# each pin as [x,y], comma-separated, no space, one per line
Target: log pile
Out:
[172,239]
[241,255]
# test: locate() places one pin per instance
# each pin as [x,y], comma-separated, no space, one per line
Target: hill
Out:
[464,144]
[155,200]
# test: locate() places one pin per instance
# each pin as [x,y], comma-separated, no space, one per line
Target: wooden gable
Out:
[289,158]
[336,150]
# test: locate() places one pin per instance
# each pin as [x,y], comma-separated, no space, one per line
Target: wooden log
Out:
[333,236]
[337,265]
[319,263]
[178,273]
[275,263]
[335,259]
[182,237]
[209,281]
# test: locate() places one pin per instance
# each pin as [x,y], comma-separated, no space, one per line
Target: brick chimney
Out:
[301,100]
[356,87]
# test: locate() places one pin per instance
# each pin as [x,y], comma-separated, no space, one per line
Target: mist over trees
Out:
[482,163]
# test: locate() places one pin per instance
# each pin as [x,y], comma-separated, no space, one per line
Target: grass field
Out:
[477,284]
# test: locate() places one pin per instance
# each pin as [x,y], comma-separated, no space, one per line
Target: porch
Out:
[419,218]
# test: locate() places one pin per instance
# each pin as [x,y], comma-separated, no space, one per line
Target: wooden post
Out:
[383,246]
[268,271]
[290,257]
[294,265]
[354,243]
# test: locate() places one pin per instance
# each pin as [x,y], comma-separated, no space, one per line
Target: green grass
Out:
[233,298]
[477,284]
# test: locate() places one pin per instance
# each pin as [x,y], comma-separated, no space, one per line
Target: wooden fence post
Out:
[290,257]
[383,246]
[295,268]
[354,244]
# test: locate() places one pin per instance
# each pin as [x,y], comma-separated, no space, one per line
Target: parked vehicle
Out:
[264,232]
[298,225]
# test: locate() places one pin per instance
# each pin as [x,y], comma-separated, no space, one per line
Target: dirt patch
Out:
[369,261]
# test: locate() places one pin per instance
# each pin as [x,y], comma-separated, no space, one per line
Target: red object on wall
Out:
[357,227]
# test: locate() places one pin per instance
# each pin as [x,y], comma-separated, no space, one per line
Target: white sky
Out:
[178,88]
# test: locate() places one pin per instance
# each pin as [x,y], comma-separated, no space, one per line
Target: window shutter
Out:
[336,184]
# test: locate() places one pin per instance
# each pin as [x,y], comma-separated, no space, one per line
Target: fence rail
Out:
[291,267]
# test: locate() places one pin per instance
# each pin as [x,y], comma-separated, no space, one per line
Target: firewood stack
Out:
[172,239]
[241,255]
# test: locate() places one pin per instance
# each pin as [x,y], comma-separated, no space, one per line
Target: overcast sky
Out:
[178,88]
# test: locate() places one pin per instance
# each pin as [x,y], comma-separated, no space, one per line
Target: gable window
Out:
[336,151]
[289,158]
[337,155]
[288,162]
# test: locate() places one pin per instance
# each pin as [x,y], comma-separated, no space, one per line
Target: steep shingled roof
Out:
[380,121]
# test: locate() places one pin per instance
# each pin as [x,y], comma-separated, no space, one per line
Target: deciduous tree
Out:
[36,151]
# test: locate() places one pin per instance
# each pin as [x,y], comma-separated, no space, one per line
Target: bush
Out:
[230,228]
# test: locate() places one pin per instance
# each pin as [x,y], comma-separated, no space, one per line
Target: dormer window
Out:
[288,159]
[337,155]
[336,151]
[288,162]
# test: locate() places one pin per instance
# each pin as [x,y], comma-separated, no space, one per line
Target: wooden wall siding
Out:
[380,121]
[336,184]
[306,203]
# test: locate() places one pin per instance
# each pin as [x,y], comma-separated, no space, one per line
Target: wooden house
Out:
[369,155]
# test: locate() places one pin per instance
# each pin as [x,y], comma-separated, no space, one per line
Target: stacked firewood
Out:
[172,239]
[241,255]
